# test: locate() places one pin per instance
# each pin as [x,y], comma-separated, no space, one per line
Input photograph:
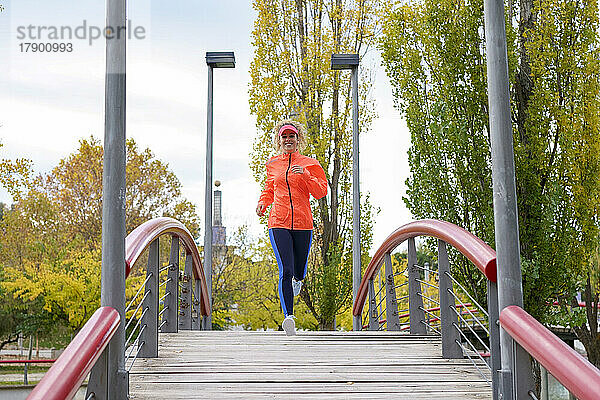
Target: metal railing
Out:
[154,307]
[573,371]
[65,376]
[162,302]
[406,301]
[444,307]
[470,320]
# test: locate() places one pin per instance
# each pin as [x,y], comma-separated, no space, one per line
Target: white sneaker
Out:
[289,325]
[296,286]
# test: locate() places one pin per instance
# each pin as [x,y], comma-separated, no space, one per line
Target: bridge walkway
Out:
[332,365]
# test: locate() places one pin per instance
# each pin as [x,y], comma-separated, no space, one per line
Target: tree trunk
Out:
[588,334]
[523,92]
[327,325]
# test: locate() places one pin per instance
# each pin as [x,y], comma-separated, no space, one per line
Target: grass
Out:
[17,383]
[18,368]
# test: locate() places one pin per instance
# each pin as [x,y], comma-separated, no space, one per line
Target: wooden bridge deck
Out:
[311,365]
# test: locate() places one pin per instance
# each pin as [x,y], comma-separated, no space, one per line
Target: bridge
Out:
[425,351]
[413,337]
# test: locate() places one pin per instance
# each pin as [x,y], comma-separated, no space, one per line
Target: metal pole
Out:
[113,192]
[510,291]
[172,287]
[149,324]
[356,265]
[207,320]
[185,304]
[415,301]
[391,302]
[448,318]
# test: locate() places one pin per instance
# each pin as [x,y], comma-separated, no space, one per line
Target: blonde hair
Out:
[297,125]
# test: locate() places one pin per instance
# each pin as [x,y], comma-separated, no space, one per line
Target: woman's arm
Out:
[315,180]
[266,197]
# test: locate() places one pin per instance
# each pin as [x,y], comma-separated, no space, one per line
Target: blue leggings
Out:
[291,249]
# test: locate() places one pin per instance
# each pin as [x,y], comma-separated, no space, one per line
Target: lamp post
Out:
[214,59]
[109,378]
[341,62]
[515,374]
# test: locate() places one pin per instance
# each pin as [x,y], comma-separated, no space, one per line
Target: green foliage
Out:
[245,287]
[153,190]
[50,242]
[15,175]
[69,289]
[290,72]
[434,54]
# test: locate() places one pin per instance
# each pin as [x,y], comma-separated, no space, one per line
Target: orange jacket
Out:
[290,192]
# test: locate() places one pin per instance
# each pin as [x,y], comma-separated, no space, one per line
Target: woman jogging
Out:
[291,179]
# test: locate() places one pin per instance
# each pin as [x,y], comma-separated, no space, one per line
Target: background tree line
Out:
[51,235]
[50,247]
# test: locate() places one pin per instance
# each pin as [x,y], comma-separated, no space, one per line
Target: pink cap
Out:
[288,128]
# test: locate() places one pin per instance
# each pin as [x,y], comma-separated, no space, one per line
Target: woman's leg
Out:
[302,241]
[283,247]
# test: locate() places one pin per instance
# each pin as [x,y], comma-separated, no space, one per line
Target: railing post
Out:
[544,383]
[495,353]
[197,315]
[170,303]
[185,305]
[149,324]
[391,303]
[448,318]
[415,301]
[373,313]
[98,380]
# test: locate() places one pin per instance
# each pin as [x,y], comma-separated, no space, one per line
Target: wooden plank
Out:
[303,390]
[336,365]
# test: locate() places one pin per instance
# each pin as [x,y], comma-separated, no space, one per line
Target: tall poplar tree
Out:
[434,53]
[291,77]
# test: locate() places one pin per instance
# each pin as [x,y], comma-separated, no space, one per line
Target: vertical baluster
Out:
[391,303]
[149,324]
[495,354]
[380,293]
[197,320]
[185,305]
[415,301]
[373,315]
[450,336]
[170,315]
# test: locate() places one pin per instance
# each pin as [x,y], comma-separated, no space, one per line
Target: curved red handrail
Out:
[475,249]
[141,237]
[65,376]
[576,373]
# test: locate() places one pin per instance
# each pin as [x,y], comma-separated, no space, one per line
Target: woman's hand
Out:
[296,169]
[260,210]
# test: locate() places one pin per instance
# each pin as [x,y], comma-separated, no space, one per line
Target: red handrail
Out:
[141,237]
[576,373]
[65,376]
[475,249]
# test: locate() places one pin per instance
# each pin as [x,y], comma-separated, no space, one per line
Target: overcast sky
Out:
[48,102]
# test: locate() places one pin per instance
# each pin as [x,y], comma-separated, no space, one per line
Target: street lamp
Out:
[214,59]
[340,62]
[512,379]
